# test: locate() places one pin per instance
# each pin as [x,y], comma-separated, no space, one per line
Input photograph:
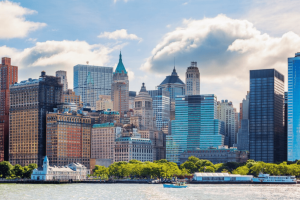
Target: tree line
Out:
[251,167]
[9,171]
[164,169]
[137,169]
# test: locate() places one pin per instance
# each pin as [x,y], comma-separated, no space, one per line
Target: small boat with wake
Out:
[176,185]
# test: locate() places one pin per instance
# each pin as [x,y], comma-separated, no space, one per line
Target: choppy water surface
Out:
[145,191]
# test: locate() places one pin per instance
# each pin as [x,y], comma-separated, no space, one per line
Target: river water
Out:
[146,191]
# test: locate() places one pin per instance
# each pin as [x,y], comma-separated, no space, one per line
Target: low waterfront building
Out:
[221,177]
[133,147]
[220,155]
[72,171]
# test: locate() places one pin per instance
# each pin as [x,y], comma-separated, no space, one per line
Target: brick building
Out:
[68,138]
[8,76]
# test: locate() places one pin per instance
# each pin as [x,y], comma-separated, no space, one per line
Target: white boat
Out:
[266,178]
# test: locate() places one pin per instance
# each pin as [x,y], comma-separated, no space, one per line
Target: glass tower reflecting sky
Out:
[293,108]
[266,116]
[91,81]
[195,125]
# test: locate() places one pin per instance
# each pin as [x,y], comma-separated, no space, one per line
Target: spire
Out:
[120,68]
[174,73]
[143,88]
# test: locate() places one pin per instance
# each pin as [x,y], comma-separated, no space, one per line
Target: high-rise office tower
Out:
[227,113]
[120,89]
[195,126]
[143,108]
[293,116]
[63,79]
[192,79]
[68,138]
[30,101]
[161,108]
[8,76]
[243,133]
[266,116]
[173,85]
[91,81]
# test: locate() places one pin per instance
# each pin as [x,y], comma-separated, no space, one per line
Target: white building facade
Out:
[73,171]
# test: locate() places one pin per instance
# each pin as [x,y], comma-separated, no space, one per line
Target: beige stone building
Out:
[104,103]
[103,138]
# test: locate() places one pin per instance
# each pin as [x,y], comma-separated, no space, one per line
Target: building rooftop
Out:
[174,78]
[220,174]
[120,68]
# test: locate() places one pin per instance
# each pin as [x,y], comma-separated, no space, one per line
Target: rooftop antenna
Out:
[174,62]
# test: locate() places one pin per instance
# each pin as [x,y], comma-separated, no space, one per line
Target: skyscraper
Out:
[192,79]
[30,101]
[243,133]
[266,116]
[293,117]
[161,108]
[143,108]
[195,126]
[91,81]
[120,89]
[227,113]
[8,76]
[63,79]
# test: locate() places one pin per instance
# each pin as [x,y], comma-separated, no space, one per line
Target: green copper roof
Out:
[120,66]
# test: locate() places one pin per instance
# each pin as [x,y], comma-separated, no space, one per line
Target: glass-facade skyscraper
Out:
[91,81]
[161,107]
[266,116]
[195,126]
[293,116]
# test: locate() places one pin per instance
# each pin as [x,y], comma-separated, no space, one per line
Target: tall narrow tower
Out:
[8,76]
[192,78]
[143,108]
[120,89]
[63,78]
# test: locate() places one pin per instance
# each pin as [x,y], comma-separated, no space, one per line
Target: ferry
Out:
[267,179]
[176,185]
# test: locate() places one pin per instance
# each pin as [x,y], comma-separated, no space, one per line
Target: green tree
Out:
[193,159]
[5,169]
[207,169]
[18,171]
[244,170]
[189,166]
[101,171]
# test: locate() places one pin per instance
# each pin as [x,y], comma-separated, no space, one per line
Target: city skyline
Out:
[51,42]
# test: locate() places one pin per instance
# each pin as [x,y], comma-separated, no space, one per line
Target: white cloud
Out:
[119,34]
[115,1]
[225,49]
[13,22]
[168,26]
[276,16]
[184,4]
[57,55]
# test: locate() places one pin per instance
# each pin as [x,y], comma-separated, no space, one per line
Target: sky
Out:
[226,38]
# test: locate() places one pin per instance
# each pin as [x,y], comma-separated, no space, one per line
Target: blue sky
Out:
[226,38]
